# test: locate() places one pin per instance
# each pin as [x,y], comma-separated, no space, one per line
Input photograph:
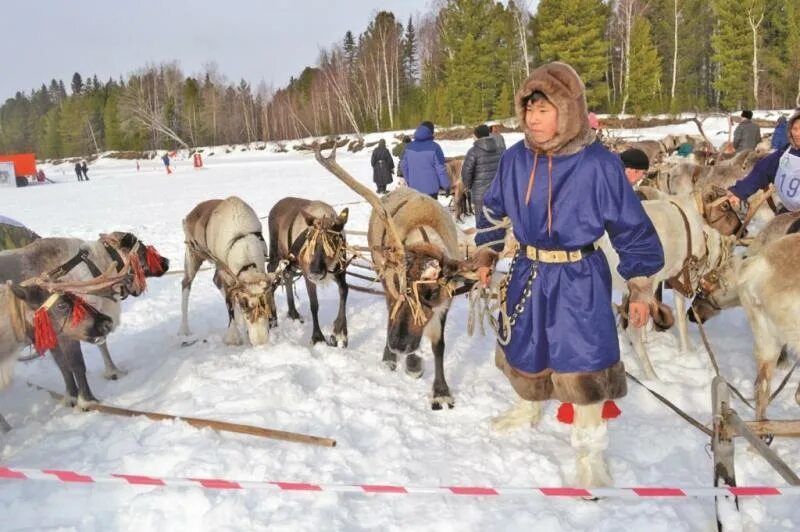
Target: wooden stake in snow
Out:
[204,423]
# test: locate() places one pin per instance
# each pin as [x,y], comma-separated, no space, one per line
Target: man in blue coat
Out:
[781,167]
[562,191]
[423,163]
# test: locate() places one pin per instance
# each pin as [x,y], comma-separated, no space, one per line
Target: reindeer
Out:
[688,253]
[309,235]
[414,247]
[27,314]
[119,257]
[461,203]
[228,234]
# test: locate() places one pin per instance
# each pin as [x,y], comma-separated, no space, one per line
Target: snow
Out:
[386,431]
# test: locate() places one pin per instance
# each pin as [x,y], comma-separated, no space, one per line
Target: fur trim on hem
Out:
[581,388]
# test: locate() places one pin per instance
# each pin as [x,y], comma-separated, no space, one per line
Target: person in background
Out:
[781,167]
[747,134]
[79,171]
[498,136]
[165,160]
[85,171]
[477,173]
[398,152]
[636,164]
[382,166]
[423,163]
[780,137]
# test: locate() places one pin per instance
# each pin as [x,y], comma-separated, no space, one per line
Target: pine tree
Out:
[644,82]
[504,105]
[732,55]
[573,31]
[77,83]
[350,50]
[410,53]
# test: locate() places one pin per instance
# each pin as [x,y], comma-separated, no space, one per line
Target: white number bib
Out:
[787,181]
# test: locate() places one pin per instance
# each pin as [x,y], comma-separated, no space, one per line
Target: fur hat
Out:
[792,119]
[635,159]
[482,131]
[748,114]
[564,89]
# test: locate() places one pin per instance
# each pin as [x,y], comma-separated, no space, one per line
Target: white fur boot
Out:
[590,440]
[523,413]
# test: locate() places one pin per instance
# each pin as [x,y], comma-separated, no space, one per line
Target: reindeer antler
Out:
[397,257]
[702,132]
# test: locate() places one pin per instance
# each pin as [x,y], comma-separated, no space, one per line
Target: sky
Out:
[267,40]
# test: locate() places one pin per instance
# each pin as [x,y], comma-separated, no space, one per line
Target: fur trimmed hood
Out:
[564,89]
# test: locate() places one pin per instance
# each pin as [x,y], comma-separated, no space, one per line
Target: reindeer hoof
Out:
[273,323]
[82,405]
[441,400]
[114,374]
[68,401]
[389,359]
[414,366]
[296,316]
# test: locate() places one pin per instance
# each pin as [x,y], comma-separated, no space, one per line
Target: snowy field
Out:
[386,431]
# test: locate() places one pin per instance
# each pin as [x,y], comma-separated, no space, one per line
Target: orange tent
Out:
[24,163]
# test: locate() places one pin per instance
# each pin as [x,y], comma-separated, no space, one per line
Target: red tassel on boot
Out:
[44,336]
[611,410]
[566,413]
[139,282]
[79,311]
[153,261]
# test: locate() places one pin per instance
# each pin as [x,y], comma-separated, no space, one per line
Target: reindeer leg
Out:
[232,336]
[112,372]
[191,265]
[340,324]
[313,302]
[74,356]
[683,325]
[71,388]
[287,282]
[441,392]
[4,426]
[636,337]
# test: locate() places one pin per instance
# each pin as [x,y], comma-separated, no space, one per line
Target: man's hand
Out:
[638,313]
[734,200]
[484,275]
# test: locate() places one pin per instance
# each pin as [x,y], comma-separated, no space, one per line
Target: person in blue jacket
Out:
[779,136]
[562,191]
[423,163]
[781,167]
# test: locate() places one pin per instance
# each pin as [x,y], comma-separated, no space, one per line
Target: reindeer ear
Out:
[342,218]
[18,291]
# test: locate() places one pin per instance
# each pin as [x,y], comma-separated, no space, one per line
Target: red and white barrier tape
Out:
[72,477]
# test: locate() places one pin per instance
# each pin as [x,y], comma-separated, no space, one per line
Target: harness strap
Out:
[684,286]
[82,256]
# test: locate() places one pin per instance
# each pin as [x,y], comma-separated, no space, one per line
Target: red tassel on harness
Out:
[139,282]
[44,336]
[566,413]
[611,410]
[153,261]
[79,311]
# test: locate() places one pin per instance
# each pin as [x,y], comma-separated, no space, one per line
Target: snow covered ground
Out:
[386,431]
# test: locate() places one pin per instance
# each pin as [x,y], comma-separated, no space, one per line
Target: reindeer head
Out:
[143,260]
[717,291]
[323,251]
[253,292]
[717,211]
[60,314]
[430,279]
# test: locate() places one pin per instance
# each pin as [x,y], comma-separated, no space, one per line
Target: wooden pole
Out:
[722,447]
[789,427]
[758,444]
[204,423]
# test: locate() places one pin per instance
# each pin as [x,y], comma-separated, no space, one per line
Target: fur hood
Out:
[564,88]
[794,142]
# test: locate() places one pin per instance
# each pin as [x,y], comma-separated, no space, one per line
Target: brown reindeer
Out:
[461,203]
[414,246]
[310,236]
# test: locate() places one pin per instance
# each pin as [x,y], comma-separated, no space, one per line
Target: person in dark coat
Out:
[747,134]
[780,136]
[423,163]
[398,152]
[165,160]
[79,171]
[781,167]
[498,136]
[562,192]
[85,171]
[382,166]
[477,173]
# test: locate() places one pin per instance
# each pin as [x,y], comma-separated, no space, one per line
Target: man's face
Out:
[541,117]
[795,132]
[634,176]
